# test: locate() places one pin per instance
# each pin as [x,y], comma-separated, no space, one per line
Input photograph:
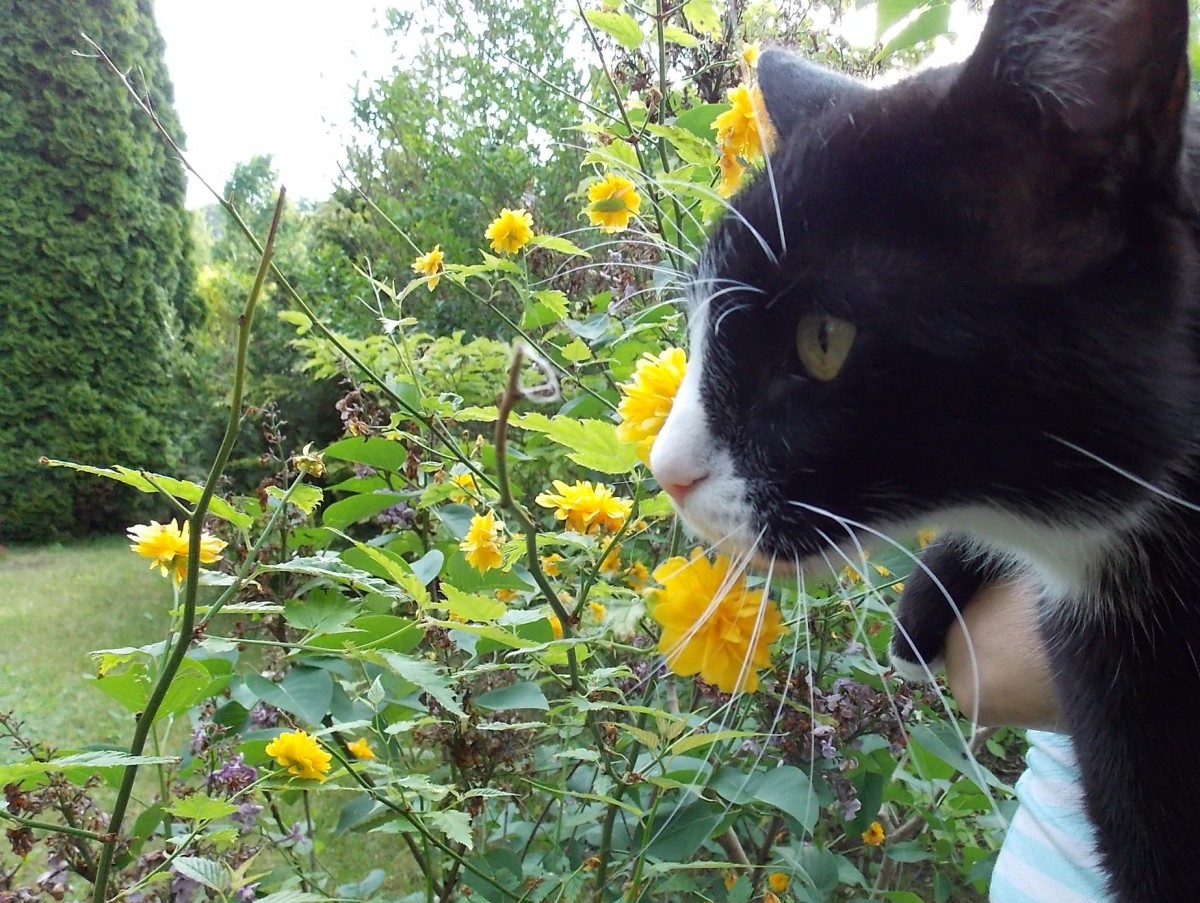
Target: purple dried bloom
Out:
[850,808]
[246,815]
[233,776]
[53,881]
[247,893]
[183,888]
[264,715]
[199,740]
[828,750]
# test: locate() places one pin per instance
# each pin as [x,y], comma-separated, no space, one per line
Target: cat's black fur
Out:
[1016,240]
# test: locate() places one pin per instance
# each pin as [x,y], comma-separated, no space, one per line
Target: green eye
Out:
[823,343]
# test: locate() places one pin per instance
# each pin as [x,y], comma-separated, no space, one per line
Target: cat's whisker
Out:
[1127,474]
[770,170]
[767,250]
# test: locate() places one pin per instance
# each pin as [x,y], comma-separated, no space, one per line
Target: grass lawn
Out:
[57,603]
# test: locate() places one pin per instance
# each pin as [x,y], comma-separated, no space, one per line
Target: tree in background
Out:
[476,119]
[95,278]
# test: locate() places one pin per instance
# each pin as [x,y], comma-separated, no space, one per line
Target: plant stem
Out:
[145,719]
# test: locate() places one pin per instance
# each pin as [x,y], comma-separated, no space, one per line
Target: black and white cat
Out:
[973,299]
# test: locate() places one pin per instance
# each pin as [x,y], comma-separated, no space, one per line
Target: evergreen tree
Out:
[95,278]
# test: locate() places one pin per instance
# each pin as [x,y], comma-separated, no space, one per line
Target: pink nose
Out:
[679,491]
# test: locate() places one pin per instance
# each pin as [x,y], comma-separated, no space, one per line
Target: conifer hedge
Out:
[95,279]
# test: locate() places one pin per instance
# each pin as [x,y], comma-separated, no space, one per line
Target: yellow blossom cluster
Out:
[587,507]
[612,202]
[713,625]
[300,754]
[482,542]
[647,398]
[166,545]
[431,265]
[744,133]
[361,749]
[874,835]
[466,487]
[510,231]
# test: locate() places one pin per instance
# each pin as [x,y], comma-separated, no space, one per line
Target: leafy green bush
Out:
[95,279]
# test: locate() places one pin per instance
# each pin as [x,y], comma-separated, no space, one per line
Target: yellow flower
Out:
[550,564]
[730,880]
[731,173]
[750,54]
[769,897]
[881,570]
[166,545]
[482,544]
[874,835]
[926,536]
[431,265]
[300,754]
[778,881]
[587,507]
[744,129]
[597,611]
[555,625]
[851,575]
[612,202]
[647,398]
[638,576]
[712,624]
[361,749]
[507,595]
[611,565]
[468,488]
[510,231]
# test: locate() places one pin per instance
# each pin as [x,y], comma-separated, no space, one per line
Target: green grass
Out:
[57,604]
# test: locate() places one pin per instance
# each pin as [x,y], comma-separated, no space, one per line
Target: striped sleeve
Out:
[1049,853]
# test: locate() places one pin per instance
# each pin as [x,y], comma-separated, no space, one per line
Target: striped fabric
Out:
[1049,852]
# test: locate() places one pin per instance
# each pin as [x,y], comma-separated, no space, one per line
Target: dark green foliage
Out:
[95,284]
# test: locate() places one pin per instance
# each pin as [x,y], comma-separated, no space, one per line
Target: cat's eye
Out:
[823,343]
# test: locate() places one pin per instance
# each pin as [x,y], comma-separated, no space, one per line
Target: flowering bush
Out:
[447,626]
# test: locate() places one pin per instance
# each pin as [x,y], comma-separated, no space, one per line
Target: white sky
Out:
[270,77]
[277,77]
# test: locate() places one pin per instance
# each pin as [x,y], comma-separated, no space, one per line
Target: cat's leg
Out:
[1128,688]
[952,570]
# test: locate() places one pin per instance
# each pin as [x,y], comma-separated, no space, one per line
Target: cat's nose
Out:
[677,474]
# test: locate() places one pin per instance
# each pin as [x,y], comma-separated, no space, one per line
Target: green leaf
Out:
[306,692]
[703,17]
[546,307]
[455,825]
[338,571]
[695,741]
[930,24]
[907,852]
[576,352]
[592,443]
[559,244]
[677,835]
[208,872]
[374,451]
[304,496]
[471,606]
[198,807]
[293,896]
[428,677]
[373,631]
[673,34]
[358,508]
[691,147]
[789,790]
[181,489]
[889,12]
[523,695]
[621,27]
[320,612]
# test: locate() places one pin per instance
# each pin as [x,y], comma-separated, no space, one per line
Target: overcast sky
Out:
[269,77]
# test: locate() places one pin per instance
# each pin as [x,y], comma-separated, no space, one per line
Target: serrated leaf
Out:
[576,352]
[592,443]
[203,871]
[522,695]
[305,497]
[471,606]
[559,244]
[320,612]
[696,741]
[181,489]
[198,807]
[428,677]
[292,896]
[621,27]
[455,825]
[332,568]
[673,34]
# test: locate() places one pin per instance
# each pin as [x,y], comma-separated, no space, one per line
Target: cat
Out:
[973,299]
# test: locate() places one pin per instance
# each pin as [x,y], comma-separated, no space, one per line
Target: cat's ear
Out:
[796,91]
[1111,72]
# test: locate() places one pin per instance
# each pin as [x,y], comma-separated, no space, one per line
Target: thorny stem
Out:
[145,719]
